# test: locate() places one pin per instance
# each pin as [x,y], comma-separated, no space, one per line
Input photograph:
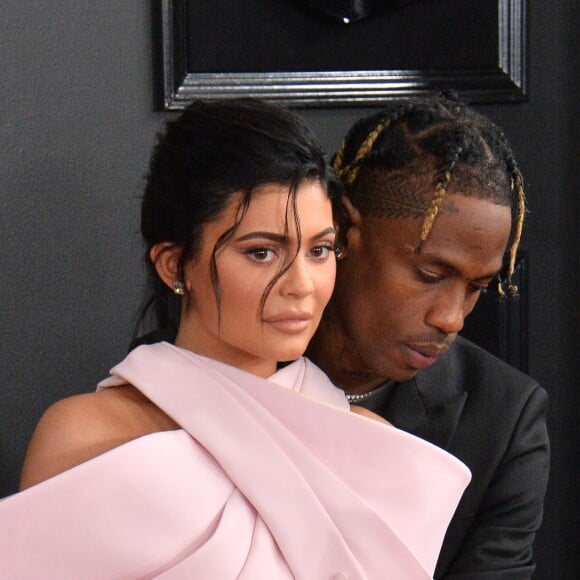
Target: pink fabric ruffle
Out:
[267,479]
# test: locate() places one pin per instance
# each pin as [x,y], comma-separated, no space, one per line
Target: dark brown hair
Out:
[212,151]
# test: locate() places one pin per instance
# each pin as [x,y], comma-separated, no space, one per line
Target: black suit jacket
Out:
[493,418]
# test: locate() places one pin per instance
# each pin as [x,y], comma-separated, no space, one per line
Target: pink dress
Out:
[267,479]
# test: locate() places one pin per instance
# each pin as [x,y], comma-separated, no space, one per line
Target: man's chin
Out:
[387,371]
[402,376]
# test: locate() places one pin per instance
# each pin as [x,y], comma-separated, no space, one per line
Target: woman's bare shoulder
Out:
[366,413]
[81,427]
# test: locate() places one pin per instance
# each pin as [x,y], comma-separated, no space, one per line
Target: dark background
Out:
[291,33]
[77,123]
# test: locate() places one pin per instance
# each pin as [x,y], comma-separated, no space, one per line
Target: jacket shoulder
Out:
[472,368]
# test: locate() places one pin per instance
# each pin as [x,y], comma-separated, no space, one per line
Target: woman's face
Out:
[242,335]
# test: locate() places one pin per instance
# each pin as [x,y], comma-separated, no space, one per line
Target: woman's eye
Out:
[320,252]
[261,254]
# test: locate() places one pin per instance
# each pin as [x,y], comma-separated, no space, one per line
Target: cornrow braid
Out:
[349,172]
[338,158]
[365,149]
[437,201]
[433,209]
[517,186]
[519,207]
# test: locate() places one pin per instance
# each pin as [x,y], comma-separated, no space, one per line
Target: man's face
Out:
[400,309]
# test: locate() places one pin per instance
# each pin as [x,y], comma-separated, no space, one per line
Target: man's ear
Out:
[352,214]
[165,257]
[350,228]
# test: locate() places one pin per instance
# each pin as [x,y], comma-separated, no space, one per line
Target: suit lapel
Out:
[429,405]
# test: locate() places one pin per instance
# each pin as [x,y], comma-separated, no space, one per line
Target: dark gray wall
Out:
[76,128]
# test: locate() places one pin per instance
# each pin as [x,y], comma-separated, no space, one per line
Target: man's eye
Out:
[261,254]
[429,277]
[481,288]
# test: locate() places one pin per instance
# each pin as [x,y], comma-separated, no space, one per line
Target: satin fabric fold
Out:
[267,479]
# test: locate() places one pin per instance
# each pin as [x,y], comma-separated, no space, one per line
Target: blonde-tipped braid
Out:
[338,160]
[350,172]
[433,209]
[437,200]
[516,185]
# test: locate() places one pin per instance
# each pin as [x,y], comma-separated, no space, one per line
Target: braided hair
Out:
[387,158]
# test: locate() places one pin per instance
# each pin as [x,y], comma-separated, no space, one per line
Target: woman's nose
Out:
[297,280]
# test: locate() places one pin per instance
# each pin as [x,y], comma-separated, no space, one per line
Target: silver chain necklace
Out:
[358,397]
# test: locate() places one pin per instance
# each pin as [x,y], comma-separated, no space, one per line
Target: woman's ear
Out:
[165,257]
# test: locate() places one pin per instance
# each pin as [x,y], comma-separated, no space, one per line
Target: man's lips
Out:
[423,355]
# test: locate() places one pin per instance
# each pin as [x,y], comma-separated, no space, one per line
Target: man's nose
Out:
[447,314]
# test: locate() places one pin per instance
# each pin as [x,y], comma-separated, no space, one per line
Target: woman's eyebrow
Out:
[325,232]
[281,238]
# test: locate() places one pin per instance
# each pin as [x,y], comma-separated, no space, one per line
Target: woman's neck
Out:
[254,365]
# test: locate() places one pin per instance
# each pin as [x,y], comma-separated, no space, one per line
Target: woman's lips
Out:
[290,323]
